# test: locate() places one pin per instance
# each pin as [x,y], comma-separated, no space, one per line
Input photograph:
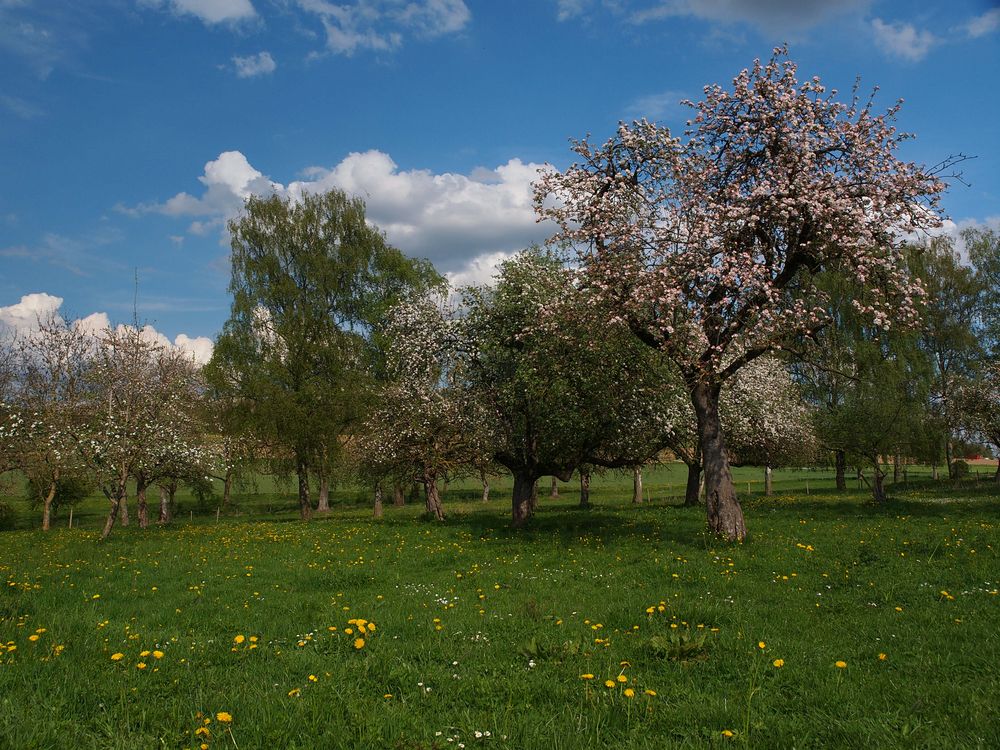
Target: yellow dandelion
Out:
[157,654]
[622,678]
[202,732]
[349,631]
[629,693]
[117,656]
[239,639]
[224,716]
[359,643]
[882,657]
[141,665]
[650,692]
[761,644]
[728,733]
[587,676]
[609,683]
[144,654]
[840,664]
[778,663]
[294,692]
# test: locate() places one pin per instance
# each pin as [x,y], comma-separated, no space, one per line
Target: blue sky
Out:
[131,130]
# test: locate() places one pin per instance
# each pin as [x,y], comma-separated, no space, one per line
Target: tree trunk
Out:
[50,495]
[996,477]
[533,499]
[878,485]
[841,463]
[692,492]
[934,472]
[305,506]
[227,488]
[768,486]
[725,516]
[431,496]
[143,508]
[637,485]
[123,509]
[525,487]
[116,504]
[584,489]
[554,492]
[486,486]
[378,500]
[166,511]
[398,498]
[897,468]
[323,506]
[949,456]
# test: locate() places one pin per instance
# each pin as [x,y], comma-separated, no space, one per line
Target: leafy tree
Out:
[311,279]
[707,245]
[983,245]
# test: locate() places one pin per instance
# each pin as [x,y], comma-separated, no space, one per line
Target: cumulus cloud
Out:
[447,217]
[254,65]
[903,40]
[23,316]
[381,25]
[479,271]
[209,12]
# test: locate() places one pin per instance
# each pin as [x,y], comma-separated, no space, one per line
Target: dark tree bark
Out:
[768,484]
[305,505]
[116,504]
[692,492]
[841,464]
[725,516]
[378,500]
[166,505]
[637,485]
[123,510]
[533,499]
[878,485]
[584,489]
[398,498]
[431,497]
[996,476]
[141,486]
[525,486]
[897,468]
[227,488]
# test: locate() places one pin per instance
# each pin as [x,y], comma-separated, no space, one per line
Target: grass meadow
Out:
[838,624]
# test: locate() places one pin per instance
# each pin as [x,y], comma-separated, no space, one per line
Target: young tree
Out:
[983,245]
[708,244]
[310,279]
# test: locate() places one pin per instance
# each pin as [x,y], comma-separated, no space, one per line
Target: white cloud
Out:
[769,16]
[210,12]
[449,218]
[23,317]
[380,25]
[982,25]
[903,39]
[479,271]
[954,229]
[254,65]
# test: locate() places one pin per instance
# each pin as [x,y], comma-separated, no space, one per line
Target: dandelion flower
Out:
[609,683]
[622,678]
[728,733]
[313,678]
[761,644]
[650,692]
[778,663]
[587,676]
[239,639]
[359,643]
[629,693]
[157,654]
[141,665]
[33,637]
[840,664]
[224,716]
[294,692]
[882,657]
[117,656]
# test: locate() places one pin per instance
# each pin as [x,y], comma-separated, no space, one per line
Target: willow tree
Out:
[310,280]
[706,244]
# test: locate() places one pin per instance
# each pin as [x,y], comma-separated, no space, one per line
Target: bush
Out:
[6,517]
[959,469]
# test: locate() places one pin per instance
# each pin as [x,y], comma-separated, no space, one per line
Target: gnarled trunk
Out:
[521,508]
[533,498]
[878,484]
[305,506]
[50,495]
[637,485]
[378,500]
[768,485]
[486,486]
[584,488]
[227,488]
[725,516]
[692,492]
[116,504]
[398,498]
[840,461]
[123,510]
[431,496]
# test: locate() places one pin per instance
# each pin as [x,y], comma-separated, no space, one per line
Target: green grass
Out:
[825,577]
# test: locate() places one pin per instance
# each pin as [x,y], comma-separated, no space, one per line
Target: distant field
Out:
[486,637]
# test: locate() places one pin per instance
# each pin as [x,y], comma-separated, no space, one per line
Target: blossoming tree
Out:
[706,244]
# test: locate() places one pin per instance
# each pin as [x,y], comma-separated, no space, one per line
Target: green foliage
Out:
[7,516]
[680,644]
[69,491]
[959,469]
